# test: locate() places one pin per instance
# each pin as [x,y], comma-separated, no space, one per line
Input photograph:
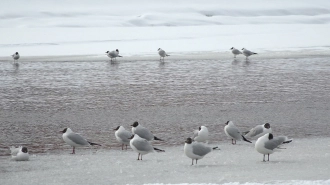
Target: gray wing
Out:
[142,145]
[162,53]
[236,51]
[275,142]
[234,132]
[125,135]
[200,149]
[144,133]
[113,54]
[248,52]
[76,138]
[255,131]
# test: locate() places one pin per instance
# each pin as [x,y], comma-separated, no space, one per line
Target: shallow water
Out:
[38,99]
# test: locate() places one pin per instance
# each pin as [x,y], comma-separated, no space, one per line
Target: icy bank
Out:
[305,161]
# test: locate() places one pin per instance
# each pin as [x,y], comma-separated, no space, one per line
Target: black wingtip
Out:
[159,150]
[93,144]
[246,139]
[156,138]
[288,141]
[216,148]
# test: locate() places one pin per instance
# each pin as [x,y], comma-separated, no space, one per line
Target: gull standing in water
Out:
[143,132]
[75,140]
[235,51]
[268,144]
[162,53]
[15,56]
[122,136]
[201,135]
[196,150]
[258,131]
[142,146]
[248,53]
[19,154]
[113,54]
[232,131]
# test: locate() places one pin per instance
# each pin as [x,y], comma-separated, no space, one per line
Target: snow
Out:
[304,161]
[43,28]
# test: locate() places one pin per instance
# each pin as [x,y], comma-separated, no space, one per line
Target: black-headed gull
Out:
[268,144]
[162,53]
[196,150]
[75,140]
[232,131]
[201,135]
[122,136]
[143,132]
[235,51]
[113,54]
[258,131]
[15,56]
[19,154]
[248,53]
[142,146]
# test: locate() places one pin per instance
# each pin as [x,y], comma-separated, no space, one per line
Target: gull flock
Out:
[162,53]
[196,147]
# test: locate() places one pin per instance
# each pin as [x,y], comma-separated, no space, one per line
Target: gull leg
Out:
[264,158]
[268,157]
[138,157]
[73,150]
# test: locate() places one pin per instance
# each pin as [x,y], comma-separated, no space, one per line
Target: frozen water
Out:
[140,28]
[303,161]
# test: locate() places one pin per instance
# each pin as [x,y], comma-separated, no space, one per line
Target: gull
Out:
[15,56]
[258,131]
[143,132]
[232,131]
[19,154]
[162,53]
[248,53]
[75,140]
[268,144]
[122,136]
[113,54]
[142,146]
[196,150]
[235,51]
[201,135]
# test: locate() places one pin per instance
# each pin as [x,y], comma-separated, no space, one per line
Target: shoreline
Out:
[208,55]
[302,160]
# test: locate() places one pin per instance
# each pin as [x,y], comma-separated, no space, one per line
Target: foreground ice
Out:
[305,161]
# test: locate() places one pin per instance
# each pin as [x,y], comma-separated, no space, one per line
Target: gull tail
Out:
[159,150]
[255,53]
[93,144]
[216,148]
[120,56]
[156,138]
[246,139]
[167,55]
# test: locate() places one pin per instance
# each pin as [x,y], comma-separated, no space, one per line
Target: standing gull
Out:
[15,56]
[19,154]
[258,131]
[232,131]
[143,132]
[196,150]
[201,135]
[142,146]
[162,53]
[248,53]
[235,51]
[113,54]
[75,140]
[122,136]
[268,144]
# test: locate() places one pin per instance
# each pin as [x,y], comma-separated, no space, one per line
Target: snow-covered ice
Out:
[304,161]
[42,28]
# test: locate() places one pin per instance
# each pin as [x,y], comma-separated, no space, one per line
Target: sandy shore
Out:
[303,161]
